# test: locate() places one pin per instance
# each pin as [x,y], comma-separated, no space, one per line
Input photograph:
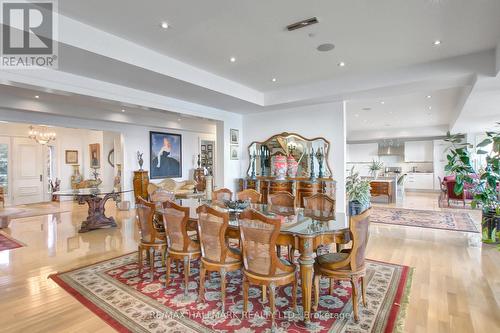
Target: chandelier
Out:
[41,135]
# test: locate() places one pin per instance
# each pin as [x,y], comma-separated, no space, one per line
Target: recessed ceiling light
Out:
[274,79]
[430,107]
[232,59]
[36,96]
[164,25]
[341,64]
[356,115]
[382,102]
[325,47]
[437,42]
[123,110]
[429,96]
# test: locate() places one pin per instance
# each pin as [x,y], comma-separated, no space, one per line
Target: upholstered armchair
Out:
[449,182]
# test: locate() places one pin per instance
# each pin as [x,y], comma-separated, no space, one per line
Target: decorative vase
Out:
[292,166]
[199,178]
[76,178]
[280,167]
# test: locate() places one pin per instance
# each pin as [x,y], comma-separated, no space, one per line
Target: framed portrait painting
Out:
[165,155]
[71,156]
[95,155]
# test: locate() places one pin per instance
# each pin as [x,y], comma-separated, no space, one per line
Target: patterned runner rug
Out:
[131,303]
[424,218]
[8,243]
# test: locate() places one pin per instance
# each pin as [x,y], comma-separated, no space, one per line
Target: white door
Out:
[28,172]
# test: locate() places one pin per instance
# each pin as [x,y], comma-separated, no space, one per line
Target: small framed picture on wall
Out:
[209,154]
[234,153]
[234,136]
[203,147]
[71,156]
[210,147]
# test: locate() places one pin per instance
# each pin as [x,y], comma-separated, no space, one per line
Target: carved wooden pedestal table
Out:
[96,199]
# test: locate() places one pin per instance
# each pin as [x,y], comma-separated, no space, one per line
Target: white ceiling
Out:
[115,50]
[368,35]
[404,111]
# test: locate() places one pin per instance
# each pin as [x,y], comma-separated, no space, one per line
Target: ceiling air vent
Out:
[302,24]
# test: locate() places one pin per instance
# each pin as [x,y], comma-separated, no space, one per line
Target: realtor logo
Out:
[28,34]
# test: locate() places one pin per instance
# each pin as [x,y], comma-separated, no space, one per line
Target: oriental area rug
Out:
[456,221]
[8,243]
[130,302]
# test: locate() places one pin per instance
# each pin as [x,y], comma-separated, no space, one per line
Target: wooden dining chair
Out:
[249,194]
[320,207]
[261,264]
[151,239]
[181,247]
[348,264]
[222,194]
[283,203]
[216,254]
[158,197]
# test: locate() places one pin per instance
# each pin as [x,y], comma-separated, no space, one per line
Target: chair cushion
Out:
[329,259]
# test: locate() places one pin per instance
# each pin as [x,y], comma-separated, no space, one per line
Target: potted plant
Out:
[358,193]
[375,167]
[483,183]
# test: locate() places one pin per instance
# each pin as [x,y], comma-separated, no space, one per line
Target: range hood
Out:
[391,149]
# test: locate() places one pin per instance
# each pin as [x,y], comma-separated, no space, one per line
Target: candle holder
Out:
[252,159]
[312,176]
[320,156]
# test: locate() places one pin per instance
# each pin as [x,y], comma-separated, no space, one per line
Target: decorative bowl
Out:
[236,204]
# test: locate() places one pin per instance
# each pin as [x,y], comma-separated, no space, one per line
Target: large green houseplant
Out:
[483,183]
[358,193]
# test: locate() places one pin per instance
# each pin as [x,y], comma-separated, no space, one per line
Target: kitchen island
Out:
[384,186]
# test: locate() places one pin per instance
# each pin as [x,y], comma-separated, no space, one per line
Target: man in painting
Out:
[164,165]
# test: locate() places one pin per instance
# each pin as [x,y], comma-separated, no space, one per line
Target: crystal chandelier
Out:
[41,135]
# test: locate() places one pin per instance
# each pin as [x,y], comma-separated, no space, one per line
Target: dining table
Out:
[299,229]
[95,198]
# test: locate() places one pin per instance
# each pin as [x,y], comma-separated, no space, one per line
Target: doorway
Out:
[28,180]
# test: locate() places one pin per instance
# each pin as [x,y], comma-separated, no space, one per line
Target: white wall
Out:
[324,120]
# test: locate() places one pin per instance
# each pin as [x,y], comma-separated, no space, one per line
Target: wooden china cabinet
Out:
[261,174]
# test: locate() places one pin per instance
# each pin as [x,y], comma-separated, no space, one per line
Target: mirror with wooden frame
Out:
[291,145]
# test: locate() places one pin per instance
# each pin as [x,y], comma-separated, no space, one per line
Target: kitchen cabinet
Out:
[362,152]
[419,151]
[419,181]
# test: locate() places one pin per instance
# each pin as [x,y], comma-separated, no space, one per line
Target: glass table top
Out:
[90,191]
[298,222]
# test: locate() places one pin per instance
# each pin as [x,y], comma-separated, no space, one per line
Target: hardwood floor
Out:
[456,284]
